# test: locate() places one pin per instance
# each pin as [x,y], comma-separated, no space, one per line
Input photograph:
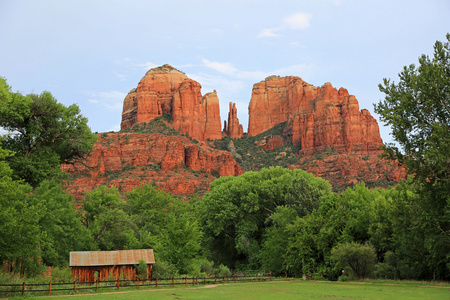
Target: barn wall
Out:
[86,273]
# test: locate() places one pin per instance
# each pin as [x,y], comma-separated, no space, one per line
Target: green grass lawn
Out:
[296,289]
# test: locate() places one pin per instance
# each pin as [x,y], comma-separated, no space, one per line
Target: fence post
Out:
[23,288]
[50,288]
[286,274]
[214,281]
[173,282]
[74,286]
[224,279]
[138,283]
[193,280]
[118,283]
[97,284]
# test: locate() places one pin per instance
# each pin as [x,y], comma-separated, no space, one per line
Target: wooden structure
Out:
[87,266]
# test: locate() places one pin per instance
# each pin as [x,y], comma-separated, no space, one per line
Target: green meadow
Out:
[296,289]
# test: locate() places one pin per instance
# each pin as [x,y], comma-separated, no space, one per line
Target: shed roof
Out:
[111,258]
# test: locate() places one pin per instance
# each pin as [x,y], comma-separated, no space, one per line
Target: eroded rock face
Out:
[233,129]
[165,90]
[276,100]
[173,163]
[318,117]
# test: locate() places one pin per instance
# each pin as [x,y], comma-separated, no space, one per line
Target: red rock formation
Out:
[165,90]
[318,117]
[233,129]
[131,159]
[273,142]
[276,100]
[333,120]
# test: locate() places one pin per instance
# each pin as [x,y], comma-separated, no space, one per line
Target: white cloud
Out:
[228,69]
[111,100]
[147,65]
[269,32]
[225,68]
[297,21]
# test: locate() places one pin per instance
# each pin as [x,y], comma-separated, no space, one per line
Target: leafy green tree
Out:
[359,258]
[42,132]
[60,223]
[418,111]
[20,234]
[109,225]
[234,215]
[166,224]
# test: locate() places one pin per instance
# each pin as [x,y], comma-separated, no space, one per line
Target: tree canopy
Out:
[418,112]
[42,132]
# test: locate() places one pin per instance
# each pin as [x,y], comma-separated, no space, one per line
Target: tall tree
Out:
[418,111]
[42,132]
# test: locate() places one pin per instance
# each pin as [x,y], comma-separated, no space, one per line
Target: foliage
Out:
[141,269]
[163,269]
[42,132]
[418,111]
[235,214]
[107,222]
[358,257]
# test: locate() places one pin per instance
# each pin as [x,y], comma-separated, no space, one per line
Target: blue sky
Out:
[94,52]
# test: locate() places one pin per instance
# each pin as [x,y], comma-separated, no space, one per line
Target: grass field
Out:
[296,289]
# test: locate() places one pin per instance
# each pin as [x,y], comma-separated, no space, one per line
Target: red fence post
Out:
[97,284]
[118,283]
[23,288]
[74,286]
[214,280]
[50,288]
[224,279]
[193,280]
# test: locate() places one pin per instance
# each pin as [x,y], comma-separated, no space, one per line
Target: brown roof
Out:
[111,258]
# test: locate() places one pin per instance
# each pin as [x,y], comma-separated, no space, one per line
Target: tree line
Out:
[274,219]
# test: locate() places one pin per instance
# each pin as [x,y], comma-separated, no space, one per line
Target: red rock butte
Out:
[165,90]
[318,117]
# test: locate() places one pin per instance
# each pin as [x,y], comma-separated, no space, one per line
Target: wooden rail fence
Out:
[74,287]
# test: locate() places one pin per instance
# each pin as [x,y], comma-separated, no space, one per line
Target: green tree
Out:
[104,216]
[166,224]
[234,215]
[359,258]
[60,223]
[20,234]
[42,132]
[418,112]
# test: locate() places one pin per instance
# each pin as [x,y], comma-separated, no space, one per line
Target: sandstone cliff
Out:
[318,117]
[165,90]
[127,160]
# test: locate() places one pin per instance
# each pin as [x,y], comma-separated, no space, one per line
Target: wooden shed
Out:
[89,265]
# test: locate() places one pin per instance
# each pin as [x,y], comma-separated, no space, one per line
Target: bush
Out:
[356,258]
[141,269]
[224,271]
[163,269]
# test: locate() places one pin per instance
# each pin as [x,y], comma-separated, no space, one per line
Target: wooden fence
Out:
[74,287]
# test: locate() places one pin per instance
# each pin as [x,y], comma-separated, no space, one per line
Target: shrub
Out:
[163,269]
[358,259]
[141,269]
